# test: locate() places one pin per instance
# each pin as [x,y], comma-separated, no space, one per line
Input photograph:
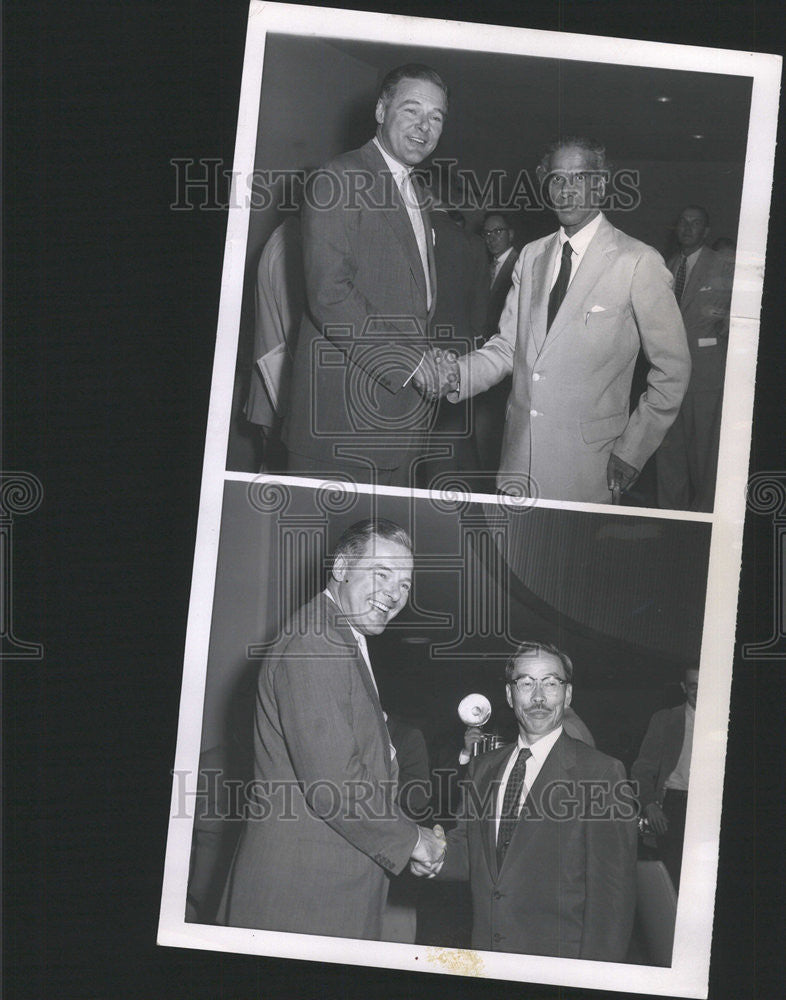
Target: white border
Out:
[688,975]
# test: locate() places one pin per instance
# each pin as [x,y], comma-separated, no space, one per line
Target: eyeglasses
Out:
[493,232]
[549,684]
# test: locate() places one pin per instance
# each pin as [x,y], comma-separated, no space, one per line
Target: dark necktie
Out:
[560,285]
[510,804]
[679,280]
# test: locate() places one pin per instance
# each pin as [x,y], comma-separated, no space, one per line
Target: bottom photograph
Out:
[462,728]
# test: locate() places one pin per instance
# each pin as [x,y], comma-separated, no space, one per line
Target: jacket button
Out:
[536,377]
[498,936]
[497,894]
[533,413]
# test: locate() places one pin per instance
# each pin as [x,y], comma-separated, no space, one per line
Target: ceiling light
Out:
[697,135]
[663,99]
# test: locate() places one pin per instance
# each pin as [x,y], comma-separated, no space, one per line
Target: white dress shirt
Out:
[578,243]
[540,750]
[402,175]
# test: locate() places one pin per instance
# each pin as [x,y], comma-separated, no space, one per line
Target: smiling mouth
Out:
[379,606]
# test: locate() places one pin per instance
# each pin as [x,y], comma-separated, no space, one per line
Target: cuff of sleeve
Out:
[464,757]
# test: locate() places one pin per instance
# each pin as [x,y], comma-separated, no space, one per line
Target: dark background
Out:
[109,325]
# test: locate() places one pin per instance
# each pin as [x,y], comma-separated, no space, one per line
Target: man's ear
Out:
[339,570]
[379,112]
[568,694]
[508,697]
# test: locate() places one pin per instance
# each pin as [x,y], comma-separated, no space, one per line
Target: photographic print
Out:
[461,626]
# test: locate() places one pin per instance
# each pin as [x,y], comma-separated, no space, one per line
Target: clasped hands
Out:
[429,853]
[436,375]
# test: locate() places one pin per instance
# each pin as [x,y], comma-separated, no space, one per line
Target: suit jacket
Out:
[567,884]
[460,260]
[569,406]
[705,306]
[366,322]
[313,859]
[499,293]
[659,753]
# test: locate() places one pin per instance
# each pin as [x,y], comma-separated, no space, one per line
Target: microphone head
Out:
[474,710]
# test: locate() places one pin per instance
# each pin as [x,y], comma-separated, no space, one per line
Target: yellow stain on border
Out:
[466,963]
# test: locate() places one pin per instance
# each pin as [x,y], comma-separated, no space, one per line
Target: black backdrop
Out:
[109,325]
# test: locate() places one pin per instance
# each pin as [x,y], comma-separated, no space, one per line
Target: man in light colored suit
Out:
[363,345]
[583,303]
[547,833]
[323,829]
[687,460]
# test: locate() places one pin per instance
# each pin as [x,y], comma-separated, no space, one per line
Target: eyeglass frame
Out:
[537,682]
[485,233]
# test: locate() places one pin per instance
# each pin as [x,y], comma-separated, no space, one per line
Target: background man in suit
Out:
[489,406]
[325,829]
[547,837]
[662,771]
[457,323]
[584,302]
[370,286]
[687,460]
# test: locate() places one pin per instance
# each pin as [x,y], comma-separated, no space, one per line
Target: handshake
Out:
[429,854]
[436,375]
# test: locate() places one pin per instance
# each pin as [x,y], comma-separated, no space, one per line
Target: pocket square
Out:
[598,309]
[706,288]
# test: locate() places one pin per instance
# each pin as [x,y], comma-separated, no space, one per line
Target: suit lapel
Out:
[385,192]
[348,640]
[539,302]
[488,785]
[559,765]
[593,264]
[694,282]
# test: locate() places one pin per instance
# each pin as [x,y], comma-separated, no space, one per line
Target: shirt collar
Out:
[540,748]
[359,637]
[503,255]
[396,168]
[692,256]
[581,240]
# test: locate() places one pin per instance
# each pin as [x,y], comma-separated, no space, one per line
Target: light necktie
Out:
[493,270]
[510,804]
[557,293]
[363,647]
[679,280]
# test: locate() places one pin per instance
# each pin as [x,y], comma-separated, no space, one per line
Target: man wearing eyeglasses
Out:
[547,835]
[585,301]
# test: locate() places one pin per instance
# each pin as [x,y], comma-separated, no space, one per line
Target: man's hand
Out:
[436,375]
[619,475]
[429,853]
[472,735]
[656,818]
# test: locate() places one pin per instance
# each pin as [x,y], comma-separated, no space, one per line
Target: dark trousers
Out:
[670,845]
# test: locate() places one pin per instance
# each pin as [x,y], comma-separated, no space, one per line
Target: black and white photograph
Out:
[364,350]
[392,500]
[372,662]
[354,302]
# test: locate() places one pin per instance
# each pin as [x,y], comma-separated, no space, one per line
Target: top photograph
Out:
[494,273]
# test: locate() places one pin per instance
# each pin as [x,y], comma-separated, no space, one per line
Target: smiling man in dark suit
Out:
[363,346]
[323,829]
[547,837]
